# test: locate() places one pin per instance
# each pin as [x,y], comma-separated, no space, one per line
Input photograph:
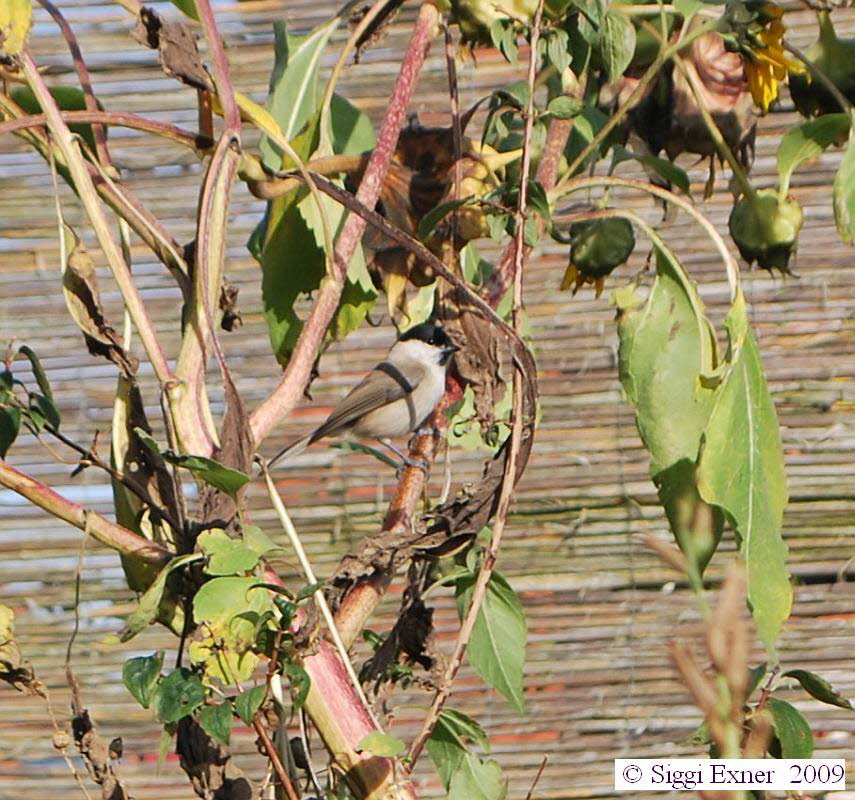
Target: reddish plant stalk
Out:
[290,389]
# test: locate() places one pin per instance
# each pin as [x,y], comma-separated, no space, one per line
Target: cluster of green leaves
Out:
[464,774]
[293,223]
[792,736]
[710,426]
[39,409]
[238,620]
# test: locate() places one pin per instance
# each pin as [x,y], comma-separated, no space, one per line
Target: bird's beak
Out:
[447,353]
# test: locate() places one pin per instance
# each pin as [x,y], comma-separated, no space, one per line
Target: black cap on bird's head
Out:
[431,334]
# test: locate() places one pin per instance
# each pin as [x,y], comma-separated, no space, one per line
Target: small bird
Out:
[396,397]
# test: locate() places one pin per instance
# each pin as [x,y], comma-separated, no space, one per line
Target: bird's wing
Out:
[377,389]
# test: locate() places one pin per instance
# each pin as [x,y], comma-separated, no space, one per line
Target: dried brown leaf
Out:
[176,44]
[80,288]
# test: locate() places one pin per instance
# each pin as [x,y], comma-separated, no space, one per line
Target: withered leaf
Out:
[80,287]
[176,43]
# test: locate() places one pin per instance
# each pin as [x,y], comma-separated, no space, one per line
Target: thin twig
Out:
[77,577]
[537,777]
[318,595]
[121,119]
[274,758]
[89,455]
[508,479]
[98,130]
[456,129]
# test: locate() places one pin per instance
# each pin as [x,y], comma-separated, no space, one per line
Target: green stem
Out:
[731,267]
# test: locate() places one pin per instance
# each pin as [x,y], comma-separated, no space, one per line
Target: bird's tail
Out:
[293,449]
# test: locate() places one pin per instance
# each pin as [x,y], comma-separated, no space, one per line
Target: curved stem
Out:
[730,265]
[98,131]
[115,118]
[349,45]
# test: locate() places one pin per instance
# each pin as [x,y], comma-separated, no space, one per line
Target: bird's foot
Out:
[414,463]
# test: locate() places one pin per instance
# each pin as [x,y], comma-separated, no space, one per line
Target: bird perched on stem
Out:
[395,398]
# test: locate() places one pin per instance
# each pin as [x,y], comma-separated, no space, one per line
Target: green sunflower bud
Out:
[766,230]
[836,58]
[598,246]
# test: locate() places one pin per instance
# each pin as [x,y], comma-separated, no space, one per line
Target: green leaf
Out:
[516,95]
[10,424]
[590,19]
[806,141]
[817,687]
[755,675]
[300,684]
[381,744]
[741,469]
[662,166]
[558,50]
[220,604]
[286,233]
[188,7]
[38,370]
[666,346]
[146,611]
[258,541]
[359,292]
[180,693]
[140,676]
[447,744]
[477,780]
[216,721]
[293,93]
[565,107]
[213,473]
[248,702]
[308,590]
[429,221]
[587,125]
[497,647]
[226,556]
[504,39]
[844,193]
[791,730]
[68,98]
[351,130]
[687,8]
[42,410]
[616,43]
